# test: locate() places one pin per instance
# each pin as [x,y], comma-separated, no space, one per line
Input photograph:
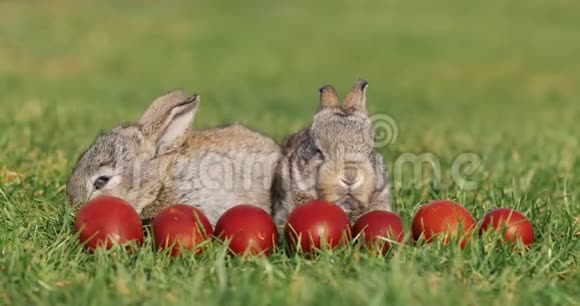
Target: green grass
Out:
[496,78]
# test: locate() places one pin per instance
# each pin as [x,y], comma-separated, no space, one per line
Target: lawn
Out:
[498,79]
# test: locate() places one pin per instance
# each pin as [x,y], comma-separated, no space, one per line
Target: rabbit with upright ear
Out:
[334,159]
[158,162]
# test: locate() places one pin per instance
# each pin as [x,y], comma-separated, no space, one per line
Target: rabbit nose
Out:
[349,176]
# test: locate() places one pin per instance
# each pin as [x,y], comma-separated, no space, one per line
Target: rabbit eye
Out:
[319,155]
[317,152]
[101,182]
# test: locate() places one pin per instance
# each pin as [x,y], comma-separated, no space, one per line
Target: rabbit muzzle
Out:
[349,185]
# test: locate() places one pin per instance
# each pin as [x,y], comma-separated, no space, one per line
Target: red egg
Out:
[445,219]
[377,226]
[106,221]
[511,222]
[248,229]
[317,225]
[181,227]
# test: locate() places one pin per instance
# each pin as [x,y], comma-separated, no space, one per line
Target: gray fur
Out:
[333,159]
[158,162]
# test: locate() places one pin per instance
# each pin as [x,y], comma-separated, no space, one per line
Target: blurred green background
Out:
[497,78]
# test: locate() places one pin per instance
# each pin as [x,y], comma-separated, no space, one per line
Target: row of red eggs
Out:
[106,221]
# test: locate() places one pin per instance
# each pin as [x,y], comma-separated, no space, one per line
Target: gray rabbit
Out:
[333,159]
[158,162]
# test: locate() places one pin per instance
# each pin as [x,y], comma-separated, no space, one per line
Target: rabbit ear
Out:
[328,97]
[168,120]
[356,100]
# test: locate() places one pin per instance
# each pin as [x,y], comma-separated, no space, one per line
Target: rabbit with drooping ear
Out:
[158,162]
[334,159]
